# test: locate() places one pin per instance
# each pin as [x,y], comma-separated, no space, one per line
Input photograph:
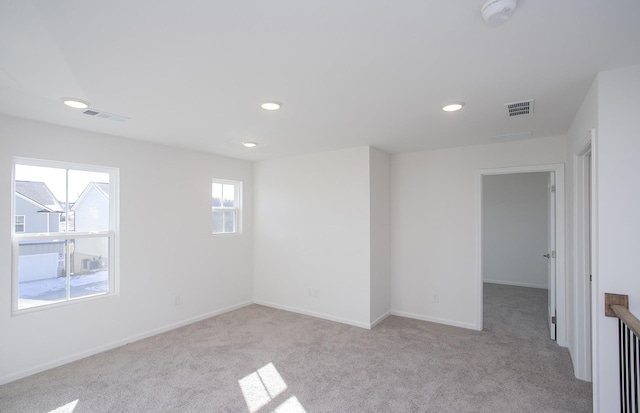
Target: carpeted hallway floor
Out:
[259,359]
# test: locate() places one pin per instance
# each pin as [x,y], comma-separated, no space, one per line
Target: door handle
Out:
[547,255]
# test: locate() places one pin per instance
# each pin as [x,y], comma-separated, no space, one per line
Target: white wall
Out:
[313,232]
[434,235]
[380,227]
[515,229]
[180,257]
[617,165]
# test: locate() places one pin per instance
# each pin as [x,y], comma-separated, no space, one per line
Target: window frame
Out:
[237,208]
[112,235]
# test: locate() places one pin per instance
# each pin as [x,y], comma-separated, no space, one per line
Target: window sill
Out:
[60,304]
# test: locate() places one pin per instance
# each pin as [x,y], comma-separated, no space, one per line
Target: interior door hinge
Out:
[553,188]
[553,319]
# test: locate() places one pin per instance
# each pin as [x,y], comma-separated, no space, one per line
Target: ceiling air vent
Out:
[105,115]
[524,107]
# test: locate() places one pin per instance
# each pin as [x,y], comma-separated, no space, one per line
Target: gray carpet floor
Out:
[259,359]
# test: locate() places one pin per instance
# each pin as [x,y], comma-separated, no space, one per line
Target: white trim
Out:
[595,304]
[515,284]
[561,292]
[314,314]
[582,293]
[437,320]
[59,164]
[118,343]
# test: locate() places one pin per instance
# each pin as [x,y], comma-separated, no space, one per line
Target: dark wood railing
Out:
[617,305]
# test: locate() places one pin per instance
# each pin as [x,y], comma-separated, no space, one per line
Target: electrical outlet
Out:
[436,297]
[313,292]
[176,300]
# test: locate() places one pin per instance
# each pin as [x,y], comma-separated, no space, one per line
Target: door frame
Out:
[552,247]
[558,169]
[583,213]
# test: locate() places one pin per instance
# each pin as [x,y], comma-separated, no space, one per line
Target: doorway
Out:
[518,253]
[558,254]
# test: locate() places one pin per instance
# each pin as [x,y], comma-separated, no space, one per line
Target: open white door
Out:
[551,256]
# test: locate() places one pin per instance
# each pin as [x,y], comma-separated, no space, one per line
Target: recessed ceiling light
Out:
[249,144]
[75,103]
[452,107]
[271,105]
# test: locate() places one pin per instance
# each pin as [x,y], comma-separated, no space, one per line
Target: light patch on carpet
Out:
[254,392]
[265,384]
[262,386]
[67,408]
[291,405]
[272,380]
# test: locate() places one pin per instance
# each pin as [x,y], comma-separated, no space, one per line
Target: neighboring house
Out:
[91,214]
[38,211]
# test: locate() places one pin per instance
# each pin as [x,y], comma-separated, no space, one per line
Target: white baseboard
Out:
[115,344]
[437,320]
[314,314]
[379,319]
[137,337]
[515,284]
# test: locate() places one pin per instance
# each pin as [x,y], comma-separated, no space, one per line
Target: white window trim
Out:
[112,235]
[237,208]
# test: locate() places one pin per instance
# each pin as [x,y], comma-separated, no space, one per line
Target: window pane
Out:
[217,222]
[39,197]
[41,272]
[229,219]
[89,266]
[224,221]
[229,195]
[53,178]
[19,223]
[216,194]
[88,201]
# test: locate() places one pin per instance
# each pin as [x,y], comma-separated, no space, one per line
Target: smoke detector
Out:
[496,12]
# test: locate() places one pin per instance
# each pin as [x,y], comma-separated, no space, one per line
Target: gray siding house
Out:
[91,213]
[38,211]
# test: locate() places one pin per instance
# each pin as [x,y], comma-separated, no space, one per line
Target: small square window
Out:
[226,206]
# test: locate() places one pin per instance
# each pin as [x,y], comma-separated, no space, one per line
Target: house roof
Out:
[350,73]
[39,193]
[101,187]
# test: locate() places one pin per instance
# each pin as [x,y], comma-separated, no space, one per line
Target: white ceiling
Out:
[193,73]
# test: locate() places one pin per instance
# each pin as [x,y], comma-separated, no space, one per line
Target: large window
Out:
[226,206]
[67,252]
